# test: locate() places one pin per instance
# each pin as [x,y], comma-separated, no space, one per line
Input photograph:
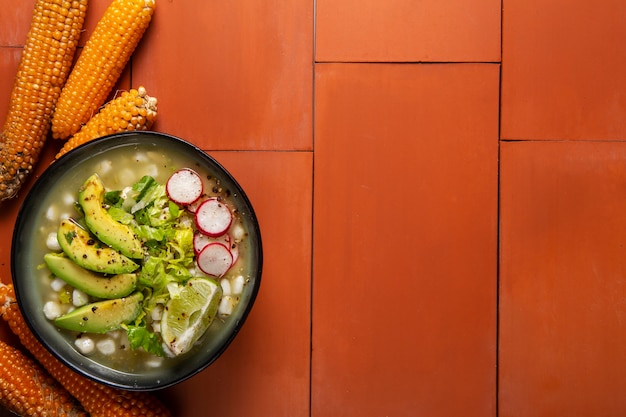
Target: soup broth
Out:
[121,168]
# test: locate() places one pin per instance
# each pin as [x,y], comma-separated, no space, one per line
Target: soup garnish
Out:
[151,260]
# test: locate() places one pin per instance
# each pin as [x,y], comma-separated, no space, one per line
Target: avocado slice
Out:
[102,316]
[115,234]
[89,253]
[91,283]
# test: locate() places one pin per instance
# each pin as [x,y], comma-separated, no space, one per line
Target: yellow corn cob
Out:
[98,400]
[132,110]
[43,69]
[100,64]
[28,390]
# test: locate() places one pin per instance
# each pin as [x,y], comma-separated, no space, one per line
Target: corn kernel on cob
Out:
[43,69]
[27,389]
[100,64]
[97,399]
[131,110]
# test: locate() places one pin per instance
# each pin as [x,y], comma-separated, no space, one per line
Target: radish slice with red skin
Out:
[200,240]
[191,208]
[213,217]
[215,259]
[184,186]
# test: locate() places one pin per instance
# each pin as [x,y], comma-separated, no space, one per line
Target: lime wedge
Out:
[189,313]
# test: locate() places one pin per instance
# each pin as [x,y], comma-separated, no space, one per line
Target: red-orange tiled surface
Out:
[400,30]
[441,187]
[562,70]
[562,284]
[397,304]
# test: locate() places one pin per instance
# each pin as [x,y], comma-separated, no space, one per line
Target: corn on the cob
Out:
[100,64]
[43,69]
[97,399]
[27,389]
[131,110]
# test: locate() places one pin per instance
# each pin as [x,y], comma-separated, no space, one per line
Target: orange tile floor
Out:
[441,187]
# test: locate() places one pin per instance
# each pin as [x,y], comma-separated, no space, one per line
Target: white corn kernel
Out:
[227,305]
[79,298]
[84,344]
[152,170]
[115,334]
[52,310]
[237,284]
[105,167]
[141,157]
[69,199]
[57,284]
[52,242]
[106,346]
[237,232]
[51,213]
[225,284]
[154,361]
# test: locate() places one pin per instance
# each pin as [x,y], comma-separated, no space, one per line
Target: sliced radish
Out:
[215,259]
[213,217]
[193,207]
[184,186]
[200,240]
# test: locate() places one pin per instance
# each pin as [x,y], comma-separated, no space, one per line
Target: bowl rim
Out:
[117,140]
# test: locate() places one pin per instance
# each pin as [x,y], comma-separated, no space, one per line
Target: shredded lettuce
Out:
[113,198]
[120,215]
[141,337]
[168,237]
[143,186]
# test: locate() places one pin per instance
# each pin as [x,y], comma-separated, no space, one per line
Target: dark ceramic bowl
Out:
[122,158]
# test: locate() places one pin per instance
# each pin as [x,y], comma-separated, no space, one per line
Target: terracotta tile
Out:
[405,247]
[15,16]
[398,30]
[562,328]
[563,67]
[265,371]
[232,75]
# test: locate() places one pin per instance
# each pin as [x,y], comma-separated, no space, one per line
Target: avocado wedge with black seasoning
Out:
[88,252]
[108,230]
[102,316]
[91,283]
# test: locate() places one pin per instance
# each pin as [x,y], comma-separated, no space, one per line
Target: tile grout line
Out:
[498,250]
[312,266]
[498,214]
[409,62]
